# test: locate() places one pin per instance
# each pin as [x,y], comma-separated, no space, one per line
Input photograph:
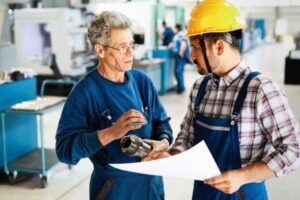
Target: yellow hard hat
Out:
[214,16]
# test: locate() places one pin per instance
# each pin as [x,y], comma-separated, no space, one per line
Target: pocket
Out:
[253,191]
[106,119]
[105,189]
[147,113]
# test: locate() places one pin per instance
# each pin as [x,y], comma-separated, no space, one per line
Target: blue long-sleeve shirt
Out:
[94,104]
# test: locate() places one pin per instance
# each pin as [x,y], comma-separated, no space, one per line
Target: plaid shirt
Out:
[268,130]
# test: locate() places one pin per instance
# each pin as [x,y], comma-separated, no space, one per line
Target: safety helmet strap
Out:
[203,48]
[226,36]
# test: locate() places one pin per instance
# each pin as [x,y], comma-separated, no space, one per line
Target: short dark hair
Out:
[164,23]
[233,38]
[178,27]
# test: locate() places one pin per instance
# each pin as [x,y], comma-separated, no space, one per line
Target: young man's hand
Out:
[228,182]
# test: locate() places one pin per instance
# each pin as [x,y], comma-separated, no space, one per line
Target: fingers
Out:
[158,146]
[215,180]
[131,114]
[224,186]
[159,149]
[227,182]
[150,156]
[155,156]
[126,123]
[151,142]
[163,155]
[132,119]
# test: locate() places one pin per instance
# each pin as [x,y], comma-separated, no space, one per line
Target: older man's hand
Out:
[155,156]
[159,149]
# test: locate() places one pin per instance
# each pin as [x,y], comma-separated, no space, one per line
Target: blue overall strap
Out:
[241,97]
[201,92]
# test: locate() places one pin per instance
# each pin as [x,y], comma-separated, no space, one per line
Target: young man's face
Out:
[197,56]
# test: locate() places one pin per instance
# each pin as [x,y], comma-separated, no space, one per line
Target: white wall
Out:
[2,14]
[269,13]
[141,13]
[292,15]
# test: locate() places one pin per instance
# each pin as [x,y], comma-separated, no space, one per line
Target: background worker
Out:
[243,116]
[167,35]
[109,103]
[181,51]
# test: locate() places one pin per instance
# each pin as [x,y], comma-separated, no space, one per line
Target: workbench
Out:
[18,128]
[22,133]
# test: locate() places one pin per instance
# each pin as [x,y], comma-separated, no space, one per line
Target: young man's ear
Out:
[99,50]
[219,47]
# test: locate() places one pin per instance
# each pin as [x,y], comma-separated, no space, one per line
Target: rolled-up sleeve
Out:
[281,128]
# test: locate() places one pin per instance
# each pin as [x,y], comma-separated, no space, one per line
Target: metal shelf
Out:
[32,162]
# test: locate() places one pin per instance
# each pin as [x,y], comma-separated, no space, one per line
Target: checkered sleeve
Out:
[185,138]
[281,128]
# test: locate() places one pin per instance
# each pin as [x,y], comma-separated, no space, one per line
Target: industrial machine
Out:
[42,33]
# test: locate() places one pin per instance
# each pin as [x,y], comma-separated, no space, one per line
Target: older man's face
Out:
[119,53]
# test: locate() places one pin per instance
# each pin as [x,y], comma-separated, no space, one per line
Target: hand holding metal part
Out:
[127,122]
[134,146]
[159,147]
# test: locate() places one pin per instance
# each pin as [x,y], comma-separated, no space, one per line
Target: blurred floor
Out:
[65,184]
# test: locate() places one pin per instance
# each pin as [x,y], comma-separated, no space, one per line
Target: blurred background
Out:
[44,50]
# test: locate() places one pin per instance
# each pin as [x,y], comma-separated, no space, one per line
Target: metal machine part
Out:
[134,146]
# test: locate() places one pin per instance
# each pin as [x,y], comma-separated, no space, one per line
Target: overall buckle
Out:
[234,116]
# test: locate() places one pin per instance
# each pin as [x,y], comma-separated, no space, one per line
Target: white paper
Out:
[196,163]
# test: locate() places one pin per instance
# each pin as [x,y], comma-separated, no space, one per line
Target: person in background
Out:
[181,51]
[167,35]
[110,102]
[242,115]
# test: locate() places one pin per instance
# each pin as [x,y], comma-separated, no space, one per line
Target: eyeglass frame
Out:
[132,47]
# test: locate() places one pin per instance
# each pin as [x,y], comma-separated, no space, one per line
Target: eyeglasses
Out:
[123,49]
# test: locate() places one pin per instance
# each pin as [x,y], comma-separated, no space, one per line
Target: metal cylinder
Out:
[134,146]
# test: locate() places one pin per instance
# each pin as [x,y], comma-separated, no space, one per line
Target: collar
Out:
[229,78]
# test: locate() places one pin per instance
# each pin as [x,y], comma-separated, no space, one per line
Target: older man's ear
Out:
[99,49]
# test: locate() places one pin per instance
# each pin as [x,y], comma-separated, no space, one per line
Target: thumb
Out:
[148,141]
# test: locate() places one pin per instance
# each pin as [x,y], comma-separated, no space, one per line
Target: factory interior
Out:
[45,52]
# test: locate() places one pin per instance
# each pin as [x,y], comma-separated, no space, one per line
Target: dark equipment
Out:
[292,71]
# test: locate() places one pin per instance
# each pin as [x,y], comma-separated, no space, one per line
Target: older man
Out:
[110,102]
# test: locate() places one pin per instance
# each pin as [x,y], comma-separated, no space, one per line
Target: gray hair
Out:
[99,30]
